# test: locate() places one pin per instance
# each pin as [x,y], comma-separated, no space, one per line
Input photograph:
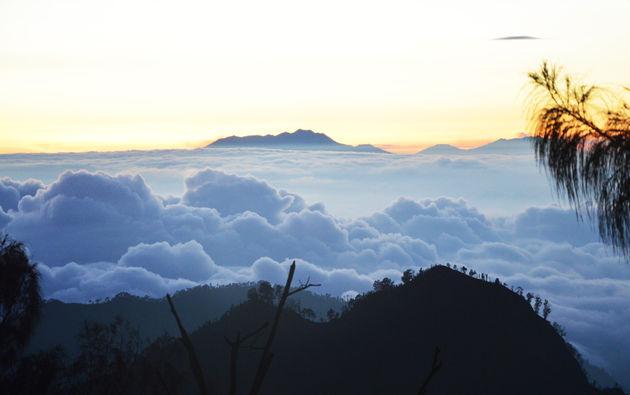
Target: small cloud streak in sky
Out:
[506,38]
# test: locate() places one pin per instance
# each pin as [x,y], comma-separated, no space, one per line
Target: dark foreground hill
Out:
[491,342]
[300,139]
[61,322]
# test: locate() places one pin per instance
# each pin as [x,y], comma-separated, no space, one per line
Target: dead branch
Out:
[435,366]
[234,347]
[302,287]
[267,355]
[192,356]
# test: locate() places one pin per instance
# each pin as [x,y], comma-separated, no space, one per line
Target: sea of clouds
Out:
[154,222]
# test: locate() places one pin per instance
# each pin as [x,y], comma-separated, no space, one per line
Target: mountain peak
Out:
[490,339]
[300,139]
[520,145]
[303,131]
[441,149]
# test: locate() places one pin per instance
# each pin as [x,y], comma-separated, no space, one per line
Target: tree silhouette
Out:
[20,299]
[546,309]
[107,354]
[265,292]
[267,354]
[382,285]
[582,138]
[529,296]
[308,313]
[537,304]
[39,373]
[407,276]
[252,295]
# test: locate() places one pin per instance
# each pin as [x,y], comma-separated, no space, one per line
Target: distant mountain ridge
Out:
[520,145]
[441,149]
[300,139]
[303,139]
[61,322]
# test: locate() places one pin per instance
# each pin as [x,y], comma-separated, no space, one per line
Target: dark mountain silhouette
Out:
[491,342]
[300,139]
[521,145]
[61,322]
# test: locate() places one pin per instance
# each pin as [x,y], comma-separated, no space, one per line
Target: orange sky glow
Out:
[87,75]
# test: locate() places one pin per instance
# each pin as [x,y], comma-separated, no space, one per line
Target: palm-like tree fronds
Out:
[582,138]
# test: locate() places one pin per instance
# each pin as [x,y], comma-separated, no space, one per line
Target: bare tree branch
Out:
[234,347]
[162,382]
[435,367]
[267,356]
[304,286]
[192,356]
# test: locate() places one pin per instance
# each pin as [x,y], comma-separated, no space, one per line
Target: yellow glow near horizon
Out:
[89,75]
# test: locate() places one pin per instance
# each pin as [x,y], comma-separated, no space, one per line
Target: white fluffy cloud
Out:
[187,260]
[80,283]
[552,224]
[97,234]
[230,194]
[86,217]
[12,191]
[494,183]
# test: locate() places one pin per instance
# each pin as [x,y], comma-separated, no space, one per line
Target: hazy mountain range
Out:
[61,322]
[502,146]
[308,140]
[300,139]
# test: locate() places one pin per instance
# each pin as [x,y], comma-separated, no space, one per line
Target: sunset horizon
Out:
[95,146]
[81,76]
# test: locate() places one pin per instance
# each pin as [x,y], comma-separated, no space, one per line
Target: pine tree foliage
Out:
[582,138]
[20,299]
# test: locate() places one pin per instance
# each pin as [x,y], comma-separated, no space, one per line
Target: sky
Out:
[79,75]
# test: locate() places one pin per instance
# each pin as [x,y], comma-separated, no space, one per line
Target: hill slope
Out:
[491,342]
[300,139]
[61,322]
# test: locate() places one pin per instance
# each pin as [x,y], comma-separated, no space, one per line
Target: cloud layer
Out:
[503,182]
[96,234]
